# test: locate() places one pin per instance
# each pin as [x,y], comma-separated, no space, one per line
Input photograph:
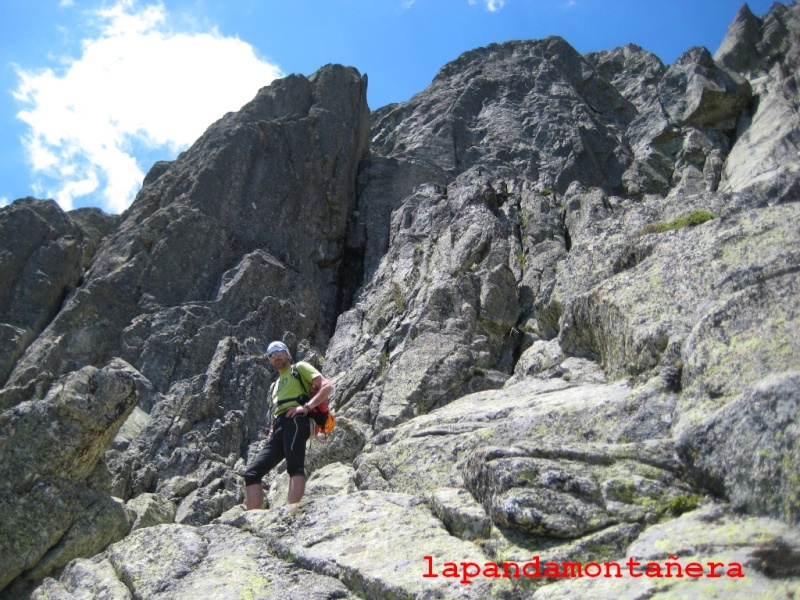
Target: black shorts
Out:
[289,437]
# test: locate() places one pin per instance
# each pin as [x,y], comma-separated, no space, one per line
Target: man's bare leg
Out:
[253,496]
[297,486]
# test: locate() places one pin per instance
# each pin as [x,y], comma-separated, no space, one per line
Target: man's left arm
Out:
[324,389]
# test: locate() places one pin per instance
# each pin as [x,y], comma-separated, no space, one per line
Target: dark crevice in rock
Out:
[456,159]
[351,275]
[518,346]
[567,236]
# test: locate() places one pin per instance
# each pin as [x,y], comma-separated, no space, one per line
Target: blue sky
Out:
[92,92]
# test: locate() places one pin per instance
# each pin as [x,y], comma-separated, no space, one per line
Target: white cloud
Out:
[491,5]
[4,202]
[136,84]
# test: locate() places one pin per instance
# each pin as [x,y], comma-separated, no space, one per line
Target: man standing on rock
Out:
[290,425]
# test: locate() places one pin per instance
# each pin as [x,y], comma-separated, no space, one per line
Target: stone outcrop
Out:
[214,561]
[45,253]
[748,452]
[52,506]
[557,295]
[706,536]
[765,156]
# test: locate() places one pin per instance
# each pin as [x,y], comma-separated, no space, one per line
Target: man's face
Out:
[279,360]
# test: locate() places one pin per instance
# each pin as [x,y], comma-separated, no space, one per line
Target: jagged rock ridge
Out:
[557,295]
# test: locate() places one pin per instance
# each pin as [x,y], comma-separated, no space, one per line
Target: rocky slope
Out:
[557,295]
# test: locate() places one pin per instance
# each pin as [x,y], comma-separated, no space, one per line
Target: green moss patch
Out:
[696,217]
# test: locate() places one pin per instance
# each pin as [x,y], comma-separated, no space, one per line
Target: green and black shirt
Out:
[289,388]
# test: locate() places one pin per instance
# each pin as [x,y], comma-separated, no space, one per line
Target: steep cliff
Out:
[557,295]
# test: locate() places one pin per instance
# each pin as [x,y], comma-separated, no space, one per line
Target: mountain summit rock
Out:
[557,295]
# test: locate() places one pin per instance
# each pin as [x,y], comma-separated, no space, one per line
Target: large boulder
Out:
[696,91]
[708,553]
[749,451]
[567,493]
[51,507]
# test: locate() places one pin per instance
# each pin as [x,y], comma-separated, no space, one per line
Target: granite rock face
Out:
[557,296]
[765,156]
[261,198]
[748,452]
[45,253]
